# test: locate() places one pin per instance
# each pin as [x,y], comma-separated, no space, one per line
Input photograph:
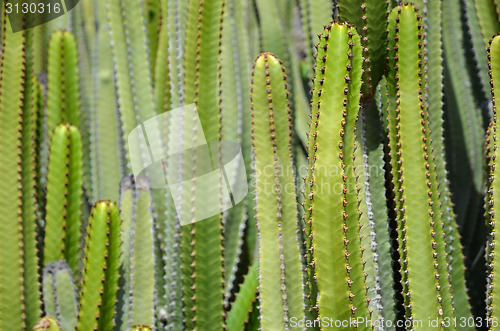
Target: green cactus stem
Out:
[141,328]
[465,135]
[241,308]
[47,324]
[64,198]
[108,160]
[59,294]
[101,269]
[201,242]
[370,18]
[280,273]
[492,297]
[132,73]
[427,291]
[63,94]
[314,16]
[137,290]
[331,214]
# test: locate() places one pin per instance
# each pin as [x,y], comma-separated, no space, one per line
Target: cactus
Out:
[332,215]
[63,99]
[464,116]
[101,269]
[137,289]
[202,259]
[64,198]
[275,200]
[431,295]
[18,264]
[59,294]
[134,94]
[243,304]
[47,324]
[492,303]
[141,328]
[368,212]
[107,159]
[370,18]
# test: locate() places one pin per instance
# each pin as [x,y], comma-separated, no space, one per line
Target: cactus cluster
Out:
[337,162]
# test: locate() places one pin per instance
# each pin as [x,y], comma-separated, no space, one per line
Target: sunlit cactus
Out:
[360,193]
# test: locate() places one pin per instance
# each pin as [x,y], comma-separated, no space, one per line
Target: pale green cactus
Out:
[280,275]
[59,294]
[137,288]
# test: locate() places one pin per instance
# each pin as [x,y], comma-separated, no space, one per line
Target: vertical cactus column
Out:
[331,214]
[63,95]
[434,98]
[280,274]
[370,18]
[423,258]
[201,242]
[64,198]
[137,286]
[101,269]
[32,108]
[64,102]
[492,296]
[242,306]
[107,152]
[465,132]
[18,263]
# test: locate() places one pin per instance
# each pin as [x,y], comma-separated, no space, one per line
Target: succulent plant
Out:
[363,202]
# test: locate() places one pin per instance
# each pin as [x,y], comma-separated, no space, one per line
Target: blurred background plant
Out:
[371,183]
